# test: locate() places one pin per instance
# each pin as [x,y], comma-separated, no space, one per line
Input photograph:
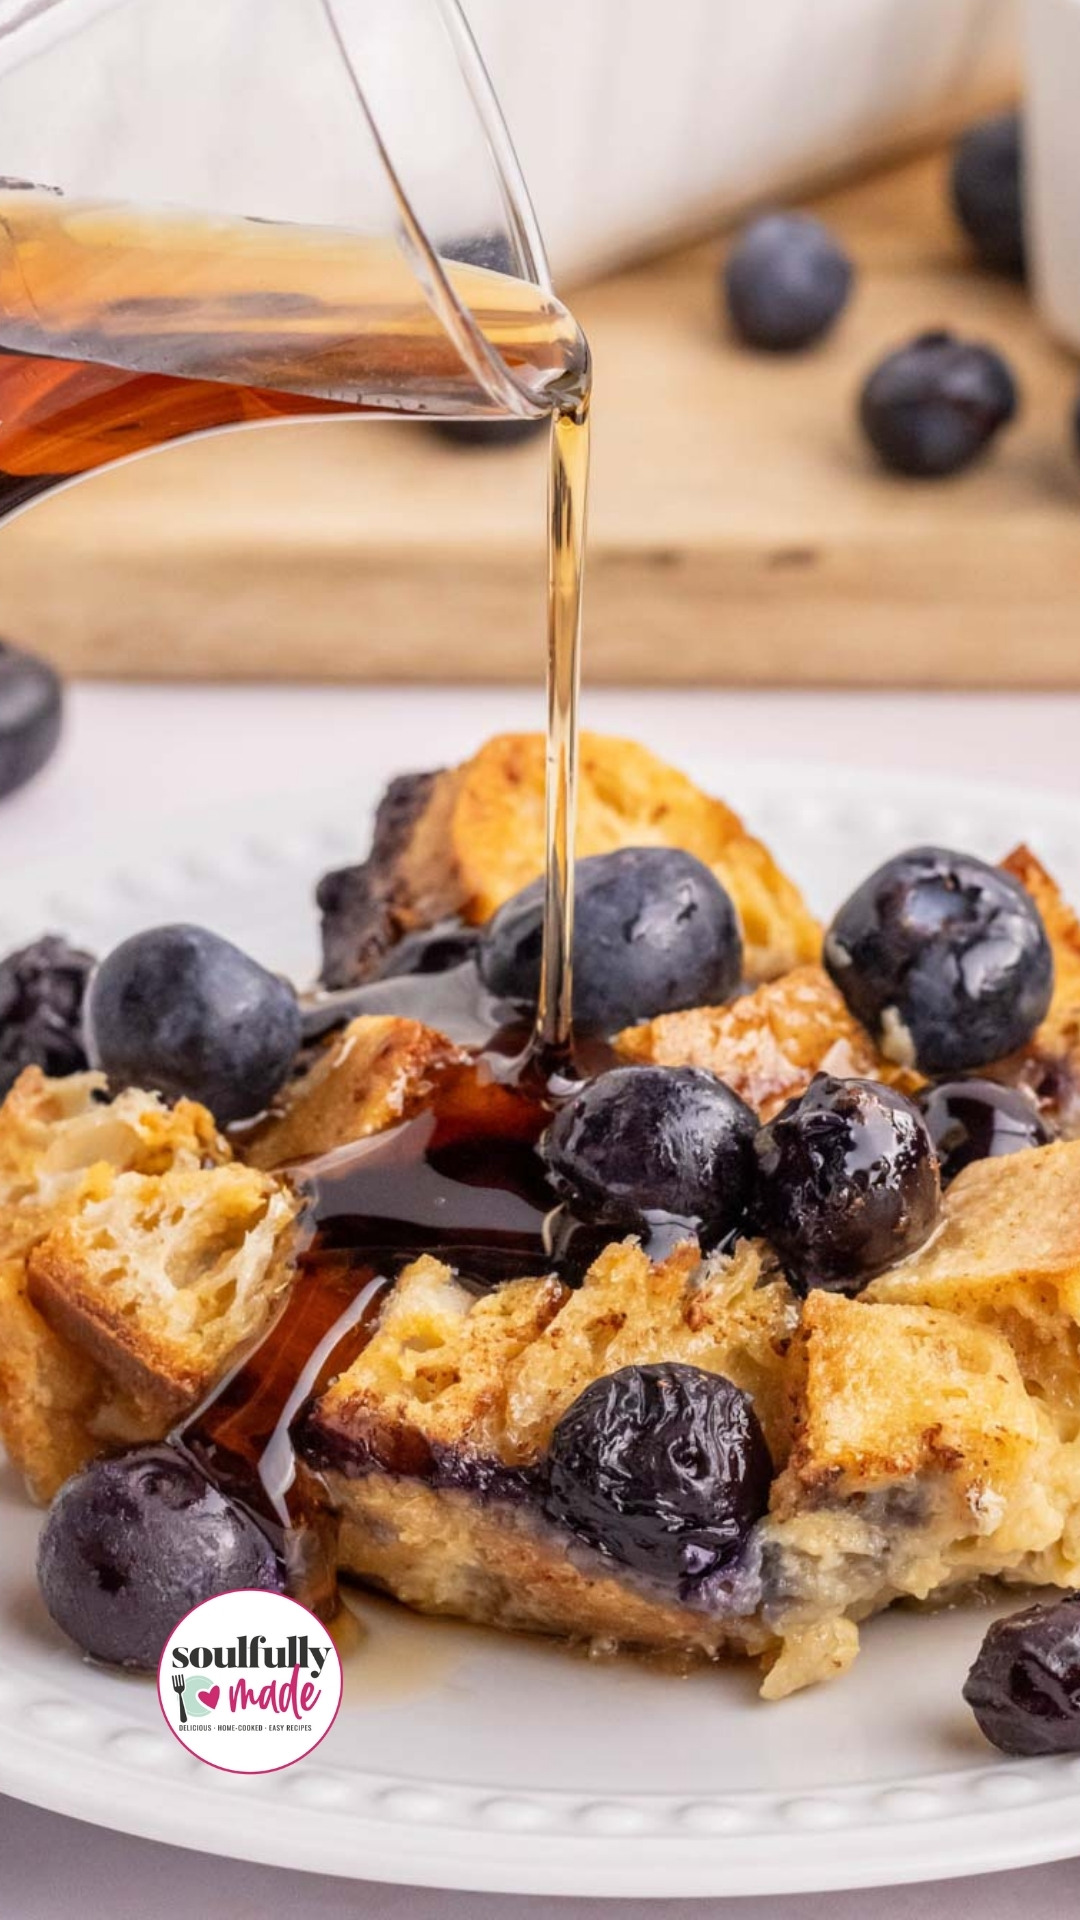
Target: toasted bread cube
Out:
[1008,1255]
[893,1392]
[434,1374]
[60,1140]
[491,1375]
[920,1465]
[1049,1066]
[474,835]
[630,1311]
[768,1044]
[1061,923]
[378,1071]
[53,1131]
[162,1280]
[57,1408]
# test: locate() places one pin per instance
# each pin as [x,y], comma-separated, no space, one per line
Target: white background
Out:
[165,749]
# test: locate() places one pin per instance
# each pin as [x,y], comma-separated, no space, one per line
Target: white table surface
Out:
[161,748]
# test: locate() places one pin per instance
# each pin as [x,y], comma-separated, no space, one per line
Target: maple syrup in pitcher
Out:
[122,329]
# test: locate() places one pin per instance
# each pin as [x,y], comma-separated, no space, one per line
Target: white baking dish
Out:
[637,120]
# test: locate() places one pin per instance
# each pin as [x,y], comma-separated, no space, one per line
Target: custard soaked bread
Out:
[756,1375]
[918,1448]
[434,1441]
[463,841]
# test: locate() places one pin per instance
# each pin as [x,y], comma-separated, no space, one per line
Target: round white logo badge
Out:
[250,1682]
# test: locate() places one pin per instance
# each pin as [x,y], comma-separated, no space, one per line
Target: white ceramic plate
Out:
[468,1760]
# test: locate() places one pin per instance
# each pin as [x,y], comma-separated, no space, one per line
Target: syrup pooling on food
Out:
[462,1181]
[122,329]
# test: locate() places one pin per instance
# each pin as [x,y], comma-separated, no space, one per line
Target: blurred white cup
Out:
[1052,153]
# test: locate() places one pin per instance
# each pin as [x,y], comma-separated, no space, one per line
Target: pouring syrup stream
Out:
[124,328]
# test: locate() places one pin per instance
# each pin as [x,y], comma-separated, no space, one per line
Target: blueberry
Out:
[787,280]
[493,251]
[979,1120]
[931,408]
[944,958]
[31,714]
[653,931]
[433,950]
[184,1012]
[1024,1688]
[490,433]
[41,997]
[987,191]
[847,1183]
[572,1244]
[132,1544]
[639,1141]
[663,1469]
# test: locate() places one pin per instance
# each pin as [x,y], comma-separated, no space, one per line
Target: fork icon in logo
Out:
[179,1683]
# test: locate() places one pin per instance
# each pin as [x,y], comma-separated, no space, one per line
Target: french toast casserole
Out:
[771,1322]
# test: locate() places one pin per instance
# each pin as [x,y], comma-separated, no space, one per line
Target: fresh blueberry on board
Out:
[979,1120]
[31,716]
[493,251]
[654,931]
[132,1544]
[786,282]
[490,433]
[930,408]
[42,988]
[944,958]
[187,1014]
[638,1141]
[847,1183]
[1024,1688]
[987,187]
[663,1469]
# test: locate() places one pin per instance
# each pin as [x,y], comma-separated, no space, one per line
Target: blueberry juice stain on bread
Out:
[717,1348]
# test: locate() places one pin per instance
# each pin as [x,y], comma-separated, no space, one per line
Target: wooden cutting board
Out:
[740,531]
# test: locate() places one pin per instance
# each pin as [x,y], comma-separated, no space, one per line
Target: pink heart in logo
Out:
[210,1698]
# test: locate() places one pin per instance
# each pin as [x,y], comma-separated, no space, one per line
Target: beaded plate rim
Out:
[110,1763]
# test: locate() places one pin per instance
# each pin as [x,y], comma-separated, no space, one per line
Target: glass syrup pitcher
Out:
[221,216]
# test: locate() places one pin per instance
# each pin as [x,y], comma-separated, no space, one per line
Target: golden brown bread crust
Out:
[378,1071]
[891,1393]
[162,1279]
[926,1435]
[1008,1256]
[1049,1066]
[489,1376]
[768,1044]
[428,1441]
[433,1377]
[59,1139]
[479,838]
[57,1407]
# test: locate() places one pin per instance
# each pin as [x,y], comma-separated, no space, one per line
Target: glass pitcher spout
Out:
[244,217]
